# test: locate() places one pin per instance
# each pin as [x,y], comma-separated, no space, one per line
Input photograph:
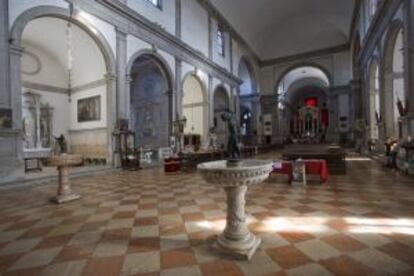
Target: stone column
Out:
[4,55]
[111,106]
[409,65]
[236,238]
[178,98]
[16,95]
[121,57]
[210,95]
[178,18]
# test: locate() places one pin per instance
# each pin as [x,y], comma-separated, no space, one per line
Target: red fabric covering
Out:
[314,167]
[318,167]
[286,168]
[172,165]
[325,117]
[311,102]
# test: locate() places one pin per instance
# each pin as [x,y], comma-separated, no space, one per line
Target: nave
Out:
[144,222]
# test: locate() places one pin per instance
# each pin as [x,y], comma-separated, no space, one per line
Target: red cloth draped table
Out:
[283,167]
[172,165]
[313,167]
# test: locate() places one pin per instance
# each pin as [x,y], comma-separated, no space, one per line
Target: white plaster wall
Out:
[164,16]
[51,70]
[267,80]
[170,61]
[185,69]
[194,95]
[16,7]
[107,30]
[74,125]
[88,60]
[188,68]
[134,45]
[195,25]
[342,73]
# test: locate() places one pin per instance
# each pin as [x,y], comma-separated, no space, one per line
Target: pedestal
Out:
[236,239]
[64,192]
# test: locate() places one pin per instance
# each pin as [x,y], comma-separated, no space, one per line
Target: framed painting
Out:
[89,109]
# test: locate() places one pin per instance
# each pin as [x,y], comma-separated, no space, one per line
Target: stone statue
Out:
[63,145]
[233,145]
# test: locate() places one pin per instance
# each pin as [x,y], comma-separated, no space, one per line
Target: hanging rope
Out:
[69,36]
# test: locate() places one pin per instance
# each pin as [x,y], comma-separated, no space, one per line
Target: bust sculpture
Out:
[233,145]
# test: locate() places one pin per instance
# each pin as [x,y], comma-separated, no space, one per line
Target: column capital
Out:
[110,77]
[16,50]
[121,33]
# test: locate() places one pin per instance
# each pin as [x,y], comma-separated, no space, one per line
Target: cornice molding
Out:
[306,55]
[169,43]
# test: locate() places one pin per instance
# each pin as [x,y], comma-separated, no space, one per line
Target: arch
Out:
[15,63]
[160,59]
[221,89]
[203,85]
[302,89]
[150,99]
[303,64]
[199,123]
[245,62]
[52,11]
[390,81]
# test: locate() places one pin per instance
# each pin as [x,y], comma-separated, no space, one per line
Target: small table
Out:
[314,167]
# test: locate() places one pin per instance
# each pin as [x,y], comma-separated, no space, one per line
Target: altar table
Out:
[313,167]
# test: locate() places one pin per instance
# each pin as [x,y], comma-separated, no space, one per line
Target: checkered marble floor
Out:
[149,223]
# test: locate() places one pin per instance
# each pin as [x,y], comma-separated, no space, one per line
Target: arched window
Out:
[221,41]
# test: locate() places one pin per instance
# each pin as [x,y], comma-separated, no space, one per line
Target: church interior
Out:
[206,137]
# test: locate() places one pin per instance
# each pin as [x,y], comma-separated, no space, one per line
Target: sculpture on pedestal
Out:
[233,144]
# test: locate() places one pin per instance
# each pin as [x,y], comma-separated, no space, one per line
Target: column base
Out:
[240,250]
[65,198]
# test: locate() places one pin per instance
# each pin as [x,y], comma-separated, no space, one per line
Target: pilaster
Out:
[178,20]
[121,64]
[178,95]
[4,55]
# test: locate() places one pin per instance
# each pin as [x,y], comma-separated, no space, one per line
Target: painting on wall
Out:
[5,118]
[89,109]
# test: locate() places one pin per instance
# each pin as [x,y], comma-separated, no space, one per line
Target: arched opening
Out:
[248,102]
[194,110]
[151,102]
[303,103]
[394,87]
[221,104]
[62,94]
[374,101]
